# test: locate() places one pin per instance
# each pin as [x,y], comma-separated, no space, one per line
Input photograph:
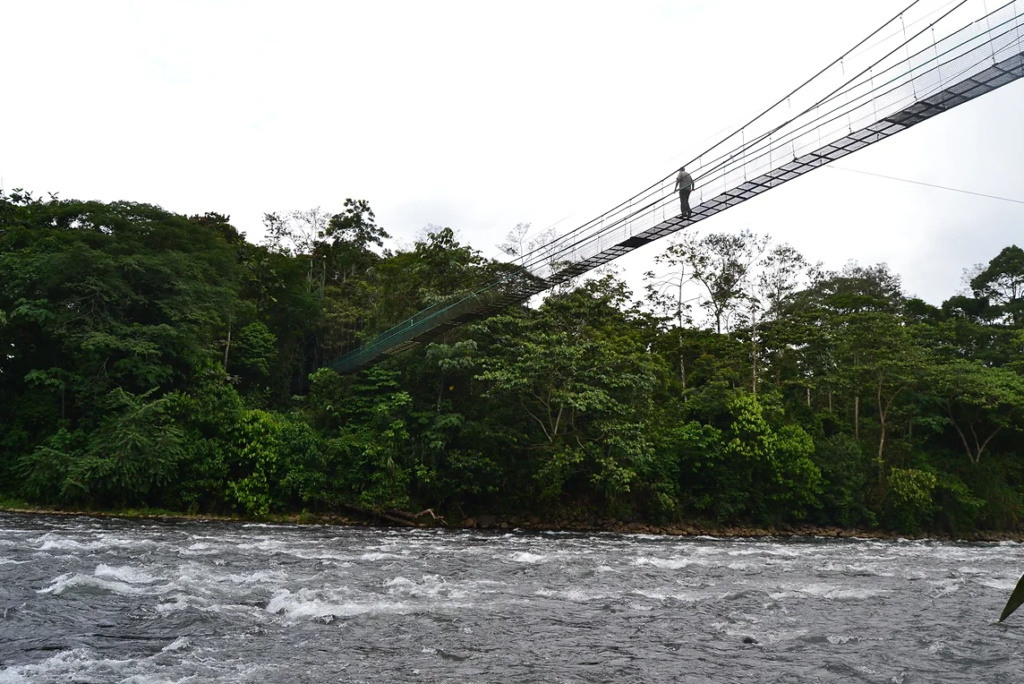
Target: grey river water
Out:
[88,600]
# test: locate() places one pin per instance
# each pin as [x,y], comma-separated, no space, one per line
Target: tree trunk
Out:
[856,418]
[883,413]
[227,346]
[679,338]
[682,361]
[753,352]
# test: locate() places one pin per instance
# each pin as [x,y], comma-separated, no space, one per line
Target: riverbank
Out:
[536,524]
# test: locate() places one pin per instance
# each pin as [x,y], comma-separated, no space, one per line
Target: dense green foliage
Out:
[158,360]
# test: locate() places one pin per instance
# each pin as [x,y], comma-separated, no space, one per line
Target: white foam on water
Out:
[874,556]
[70,580]
[430,586]
[834,593]
[8,561]
[575,595]
[674,563]
[914,575]
[739,565]
[181,602]
[65,666]
[82,665]
[154,679]
[766,551]
[527,557]
[605,568]
[931,553]
[840,639]
[1001,585]
[753,628]
[198,579]
[741,594]
[202,549]
[53,542]
[378,556]
[655,595]
[945,587]
[124,573]
[828,592]
[343,560]
[968,570]
[258,577]
[709,550]
[267,545]
[177,645]
[782,635]
[307,604]
[391,545]
[454,549]
[13,676]
[853,569]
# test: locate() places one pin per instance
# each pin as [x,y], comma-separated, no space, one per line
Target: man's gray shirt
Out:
[684,182]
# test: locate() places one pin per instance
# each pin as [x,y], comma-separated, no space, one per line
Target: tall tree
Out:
[979,402]
[665,293]
[722,264]
[1001,284]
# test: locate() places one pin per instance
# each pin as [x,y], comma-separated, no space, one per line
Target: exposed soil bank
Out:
[535,523]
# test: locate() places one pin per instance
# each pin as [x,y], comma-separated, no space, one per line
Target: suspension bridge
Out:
[924,61]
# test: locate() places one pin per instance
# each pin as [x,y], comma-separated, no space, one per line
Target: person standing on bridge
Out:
[684,184]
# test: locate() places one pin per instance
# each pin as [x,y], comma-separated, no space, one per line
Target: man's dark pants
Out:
[684,202]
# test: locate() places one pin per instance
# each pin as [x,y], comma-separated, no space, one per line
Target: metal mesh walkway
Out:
[886,88]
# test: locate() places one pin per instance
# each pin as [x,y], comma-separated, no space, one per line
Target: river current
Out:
[102,600]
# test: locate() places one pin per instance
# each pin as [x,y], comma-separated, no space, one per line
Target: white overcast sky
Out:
[479,115]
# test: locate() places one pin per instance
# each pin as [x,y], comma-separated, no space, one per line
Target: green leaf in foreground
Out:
[1016,598]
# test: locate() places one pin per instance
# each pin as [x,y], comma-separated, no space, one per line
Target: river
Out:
[106,600]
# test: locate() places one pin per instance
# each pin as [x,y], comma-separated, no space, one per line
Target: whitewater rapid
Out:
[90,600]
